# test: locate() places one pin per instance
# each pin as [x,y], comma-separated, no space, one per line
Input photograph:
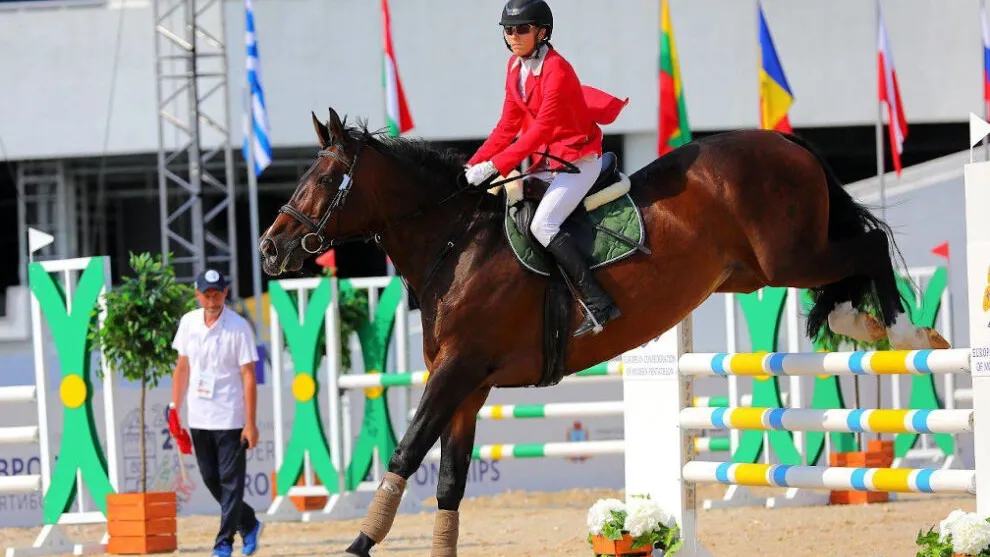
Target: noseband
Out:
[314,242]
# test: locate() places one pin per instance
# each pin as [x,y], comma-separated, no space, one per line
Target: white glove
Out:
[479,172]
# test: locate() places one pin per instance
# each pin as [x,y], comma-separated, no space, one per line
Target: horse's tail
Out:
[846,219]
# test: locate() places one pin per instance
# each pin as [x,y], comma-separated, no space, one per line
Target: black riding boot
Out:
[574,263]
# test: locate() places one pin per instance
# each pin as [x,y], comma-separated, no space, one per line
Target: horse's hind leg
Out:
[449,385]
[841,273]
[457,444]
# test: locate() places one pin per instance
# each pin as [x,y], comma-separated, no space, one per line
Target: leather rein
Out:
[314,241]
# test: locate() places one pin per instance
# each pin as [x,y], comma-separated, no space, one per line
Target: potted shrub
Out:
[636,528]
[960,534]
[142,316]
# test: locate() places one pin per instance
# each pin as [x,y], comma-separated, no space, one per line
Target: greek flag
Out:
[261,148]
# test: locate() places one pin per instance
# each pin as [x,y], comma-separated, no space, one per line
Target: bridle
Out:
[315,228]
[314,242]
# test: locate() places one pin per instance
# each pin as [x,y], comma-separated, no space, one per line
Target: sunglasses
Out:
[523,29]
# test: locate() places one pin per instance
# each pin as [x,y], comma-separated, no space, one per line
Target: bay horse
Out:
[732,212]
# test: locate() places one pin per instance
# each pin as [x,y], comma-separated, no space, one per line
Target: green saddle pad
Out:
[620,216]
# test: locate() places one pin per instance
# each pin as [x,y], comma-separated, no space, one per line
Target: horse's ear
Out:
[321,132]
[335,125]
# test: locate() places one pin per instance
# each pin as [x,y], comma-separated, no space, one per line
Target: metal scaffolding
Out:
[197,223]
[46,201]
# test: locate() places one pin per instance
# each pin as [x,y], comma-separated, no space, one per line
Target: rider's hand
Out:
[479,172]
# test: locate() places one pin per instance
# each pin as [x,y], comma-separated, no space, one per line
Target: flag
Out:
[890,94]
[986,59]
[775,94]
[397,114]
[673,127]
[941,250]
[38,239]
[261,148]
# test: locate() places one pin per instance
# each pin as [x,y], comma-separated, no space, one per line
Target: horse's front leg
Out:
[449,385]
[457,444]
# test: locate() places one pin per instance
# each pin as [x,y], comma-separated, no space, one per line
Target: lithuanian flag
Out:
[673,126]
[775,94]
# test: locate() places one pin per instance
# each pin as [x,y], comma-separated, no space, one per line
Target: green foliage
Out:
[143,315]
[353,312]
[931,547]
[667,539]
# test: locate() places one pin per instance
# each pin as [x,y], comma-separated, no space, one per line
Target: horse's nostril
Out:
[267,247]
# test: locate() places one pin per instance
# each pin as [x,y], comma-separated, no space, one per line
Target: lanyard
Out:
[210,358]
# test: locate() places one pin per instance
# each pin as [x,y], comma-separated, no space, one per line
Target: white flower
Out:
[601,513]
[945,527]
[645,516]
[970,534]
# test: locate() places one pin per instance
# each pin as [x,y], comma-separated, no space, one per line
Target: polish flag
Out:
[890,94]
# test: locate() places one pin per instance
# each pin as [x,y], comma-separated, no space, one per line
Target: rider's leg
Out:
[562,197]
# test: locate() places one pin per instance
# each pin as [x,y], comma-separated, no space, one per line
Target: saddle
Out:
[607,226]
[610,185]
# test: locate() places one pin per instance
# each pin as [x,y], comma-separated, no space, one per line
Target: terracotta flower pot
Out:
[622,547]
[141,523]
[878,454]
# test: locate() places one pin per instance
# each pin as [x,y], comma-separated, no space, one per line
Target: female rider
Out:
[546,103]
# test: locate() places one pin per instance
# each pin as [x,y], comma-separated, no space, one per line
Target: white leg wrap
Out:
[848,321]
[904,335]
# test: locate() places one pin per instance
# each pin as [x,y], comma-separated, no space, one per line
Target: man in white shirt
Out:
[215,375]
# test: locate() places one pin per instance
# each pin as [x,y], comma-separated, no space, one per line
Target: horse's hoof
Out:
[937,341]
[361,546]
[874,328]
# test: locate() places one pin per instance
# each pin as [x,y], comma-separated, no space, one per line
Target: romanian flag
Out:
[775,94]
[397,114]
[674,130]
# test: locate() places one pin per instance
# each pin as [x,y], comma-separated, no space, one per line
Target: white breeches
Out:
[566,191]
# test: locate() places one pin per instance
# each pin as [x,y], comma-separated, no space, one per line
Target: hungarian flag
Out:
[890,94]
[674,130]
[397,114]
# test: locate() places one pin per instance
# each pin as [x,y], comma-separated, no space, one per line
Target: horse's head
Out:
[315,217]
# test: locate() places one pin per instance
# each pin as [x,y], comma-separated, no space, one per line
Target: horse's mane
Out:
[437,172]
[418,155]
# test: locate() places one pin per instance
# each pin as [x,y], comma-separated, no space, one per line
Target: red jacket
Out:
[557,113]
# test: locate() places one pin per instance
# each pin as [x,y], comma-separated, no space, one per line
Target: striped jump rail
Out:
[723,401]
[900,480]
[832,420]
[890,362]
[541,450]
[355,381]
[712,444]
[549,410]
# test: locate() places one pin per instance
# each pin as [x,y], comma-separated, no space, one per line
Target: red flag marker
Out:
[941,250]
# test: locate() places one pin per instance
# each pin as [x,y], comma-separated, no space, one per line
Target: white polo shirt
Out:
[215,396]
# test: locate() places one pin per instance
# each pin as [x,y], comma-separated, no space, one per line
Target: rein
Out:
[314,241]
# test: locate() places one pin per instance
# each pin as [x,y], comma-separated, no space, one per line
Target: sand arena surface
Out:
[530,524]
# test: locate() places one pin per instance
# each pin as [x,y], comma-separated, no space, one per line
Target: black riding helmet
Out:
[534,12]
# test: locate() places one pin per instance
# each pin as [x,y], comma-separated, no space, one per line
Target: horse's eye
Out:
[325,181]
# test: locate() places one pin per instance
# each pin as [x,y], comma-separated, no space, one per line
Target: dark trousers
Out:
[223,465]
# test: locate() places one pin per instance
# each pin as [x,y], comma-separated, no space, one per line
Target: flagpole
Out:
[253,209]
[880,167]
[879,125]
